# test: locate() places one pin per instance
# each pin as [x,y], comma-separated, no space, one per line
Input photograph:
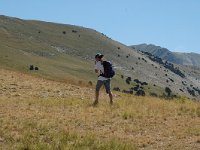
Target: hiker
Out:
[103,77]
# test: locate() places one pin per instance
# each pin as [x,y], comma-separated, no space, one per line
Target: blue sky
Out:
[173,24]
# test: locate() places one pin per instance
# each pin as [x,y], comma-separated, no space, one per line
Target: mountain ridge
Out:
[191,59]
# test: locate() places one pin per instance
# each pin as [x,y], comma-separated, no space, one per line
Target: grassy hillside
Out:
[62,52]
[36,113]
[66,53]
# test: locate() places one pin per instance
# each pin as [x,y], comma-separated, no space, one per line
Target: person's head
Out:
[98,57]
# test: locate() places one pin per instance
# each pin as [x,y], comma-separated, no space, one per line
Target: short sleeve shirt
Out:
[99,67]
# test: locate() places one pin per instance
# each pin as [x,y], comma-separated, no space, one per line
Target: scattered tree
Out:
[36,68]
[168,91]
[31,67]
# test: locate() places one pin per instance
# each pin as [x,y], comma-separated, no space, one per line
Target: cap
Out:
[99,55]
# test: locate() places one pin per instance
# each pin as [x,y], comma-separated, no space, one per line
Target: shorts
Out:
[106,84]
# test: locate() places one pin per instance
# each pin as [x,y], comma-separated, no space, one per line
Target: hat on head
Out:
[99,55]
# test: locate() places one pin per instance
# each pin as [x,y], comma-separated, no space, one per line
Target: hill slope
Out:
[42,114]
[192,59]
[66,52]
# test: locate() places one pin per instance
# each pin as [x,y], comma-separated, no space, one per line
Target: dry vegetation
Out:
[41,114]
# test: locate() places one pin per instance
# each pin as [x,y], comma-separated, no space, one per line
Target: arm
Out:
[96,71]
[96,67]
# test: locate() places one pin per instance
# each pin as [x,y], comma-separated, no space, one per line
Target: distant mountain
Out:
[191,59]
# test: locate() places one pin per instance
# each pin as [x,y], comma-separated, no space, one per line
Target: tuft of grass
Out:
[198,111]
[194,131]
[65,140]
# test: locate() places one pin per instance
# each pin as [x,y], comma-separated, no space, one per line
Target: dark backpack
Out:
[108,70]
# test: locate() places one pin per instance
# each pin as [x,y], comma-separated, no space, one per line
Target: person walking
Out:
[103,77]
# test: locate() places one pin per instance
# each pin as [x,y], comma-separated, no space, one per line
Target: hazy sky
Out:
[173,24]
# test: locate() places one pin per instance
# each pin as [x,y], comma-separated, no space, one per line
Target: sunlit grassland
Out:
[72,123]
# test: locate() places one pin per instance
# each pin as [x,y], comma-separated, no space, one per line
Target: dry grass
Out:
[37,117]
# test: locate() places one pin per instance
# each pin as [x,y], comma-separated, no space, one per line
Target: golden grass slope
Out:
[36,113]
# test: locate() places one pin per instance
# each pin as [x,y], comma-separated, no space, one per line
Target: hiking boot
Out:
[111,102]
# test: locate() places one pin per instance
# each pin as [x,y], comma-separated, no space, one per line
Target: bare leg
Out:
[96,98]
[111,97]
